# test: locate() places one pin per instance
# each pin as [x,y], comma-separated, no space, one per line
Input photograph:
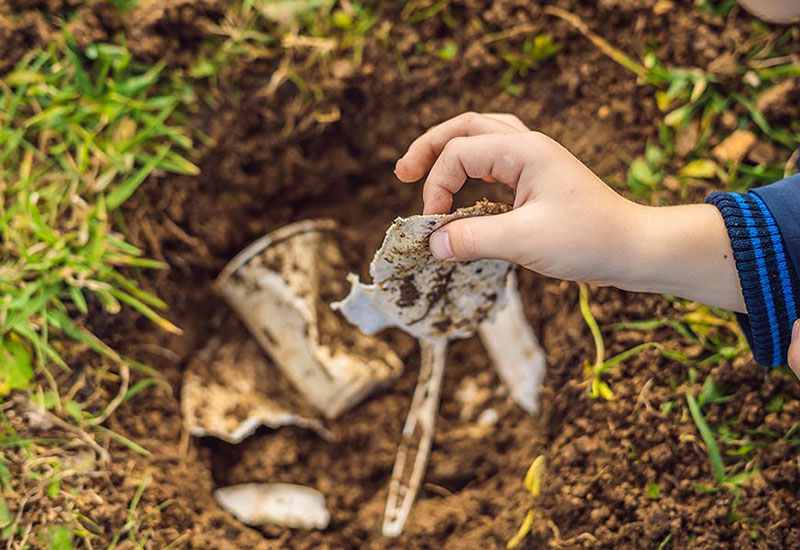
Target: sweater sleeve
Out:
[764,228]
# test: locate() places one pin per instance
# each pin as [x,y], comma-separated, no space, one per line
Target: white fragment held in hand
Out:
[435,301]
[426,297]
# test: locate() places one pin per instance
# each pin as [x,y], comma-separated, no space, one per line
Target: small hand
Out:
[566,222]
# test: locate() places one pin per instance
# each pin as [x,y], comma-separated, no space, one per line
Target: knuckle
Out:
[453,146]
[469,118]
[539,141]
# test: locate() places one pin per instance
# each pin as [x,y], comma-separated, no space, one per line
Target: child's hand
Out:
[566,222]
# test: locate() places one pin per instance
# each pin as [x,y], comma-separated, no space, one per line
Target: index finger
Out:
[503,157]
[424,151]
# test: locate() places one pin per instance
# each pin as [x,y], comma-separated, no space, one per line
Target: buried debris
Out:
[515,350]
[230,389]
[278,286]
[285,504]
[436,302]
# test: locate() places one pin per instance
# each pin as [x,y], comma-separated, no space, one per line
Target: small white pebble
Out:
[488,417]
[283,504]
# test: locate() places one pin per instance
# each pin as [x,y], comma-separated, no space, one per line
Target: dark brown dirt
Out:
[600,456]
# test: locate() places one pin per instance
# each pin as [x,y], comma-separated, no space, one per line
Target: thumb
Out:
[476,238]
[794,349]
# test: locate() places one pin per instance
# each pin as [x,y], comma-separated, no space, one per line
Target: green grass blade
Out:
[717,466]
[124,190]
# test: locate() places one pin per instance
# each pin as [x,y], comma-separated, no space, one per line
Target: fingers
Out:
[501,157]
[495,237]
[794,348]
[422,153]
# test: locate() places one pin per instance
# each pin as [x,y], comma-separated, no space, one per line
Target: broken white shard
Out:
[515,350]
[230,389]
[417,434]
[426,297]
[280,287]
[285,504]
[435,302]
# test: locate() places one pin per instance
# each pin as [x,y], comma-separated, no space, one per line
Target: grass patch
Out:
[80,132]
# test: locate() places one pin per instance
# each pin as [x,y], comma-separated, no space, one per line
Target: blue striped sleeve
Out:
[769,281]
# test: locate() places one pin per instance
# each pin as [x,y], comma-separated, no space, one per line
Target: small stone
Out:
[751,79]
[663,6]
[488,418]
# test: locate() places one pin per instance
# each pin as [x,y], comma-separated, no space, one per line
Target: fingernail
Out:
[795,328]
[440,245]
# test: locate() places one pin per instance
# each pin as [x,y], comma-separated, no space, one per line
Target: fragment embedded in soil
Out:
[515,350]
[281,286]
[230,389]
[285,504]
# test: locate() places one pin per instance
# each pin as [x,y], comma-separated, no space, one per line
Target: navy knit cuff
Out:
[769,283]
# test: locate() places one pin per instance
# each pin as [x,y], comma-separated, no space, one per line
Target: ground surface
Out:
[276,161]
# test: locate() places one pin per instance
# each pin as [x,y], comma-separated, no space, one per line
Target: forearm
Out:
[684,251]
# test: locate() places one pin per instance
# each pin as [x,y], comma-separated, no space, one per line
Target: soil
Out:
[276,160]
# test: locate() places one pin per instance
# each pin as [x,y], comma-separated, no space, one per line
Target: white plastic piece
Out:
[277,287]
[230,389]
[515,350]
[285,504]
[424,296]
[418,435]
[435,302]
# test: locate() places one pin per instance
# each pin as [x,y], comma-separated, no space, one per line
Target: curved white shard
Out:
[284,504]
[279,286]
[426,297]
[230,389]
[435,302]
[515,350]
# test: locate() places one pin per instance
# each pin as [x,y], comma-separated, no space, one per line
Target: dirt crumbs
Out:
[626,474]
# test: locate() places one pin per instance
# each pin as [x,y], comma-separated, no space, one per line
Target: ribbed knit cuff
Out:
[769,282]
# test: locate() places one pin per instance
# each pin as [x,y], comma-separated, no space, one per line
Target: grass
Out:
[696,100]
[81,131]
[533,484]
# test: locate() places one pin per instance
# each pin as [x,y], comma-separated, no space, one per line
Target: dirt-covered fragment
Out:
[230,389]
[424,296]
[280,287]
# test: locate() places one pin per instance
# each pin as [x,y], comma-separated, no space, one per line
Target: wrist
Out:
[684,251]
